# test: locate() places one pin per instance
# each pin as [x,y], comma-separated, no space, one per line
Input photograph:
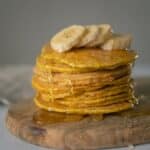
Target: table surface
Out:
[10,142]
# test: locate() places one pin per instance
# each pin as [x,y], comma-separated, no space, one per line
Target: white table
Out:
[10,142]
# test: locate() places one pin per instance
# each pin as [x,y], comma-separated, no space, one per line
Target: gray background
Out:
[25,25]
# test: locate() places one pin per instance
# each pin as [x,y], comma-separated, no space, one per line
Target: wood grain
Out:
[128,127]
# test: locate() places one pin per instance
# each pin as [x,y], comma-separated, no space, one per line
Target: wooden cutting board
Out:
[123,129]
[29,123]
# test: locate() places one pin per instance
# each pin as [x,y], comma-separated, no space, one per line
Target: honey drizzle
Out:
[69,82]
[134,100]
[43,117]
[50,80]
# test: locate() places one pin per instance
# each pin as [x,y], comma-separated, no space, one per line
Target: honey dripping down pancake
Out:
[95,94]
[85,74]
[50,106]
[70,90]
[90,57]
[82,78]
[95,102]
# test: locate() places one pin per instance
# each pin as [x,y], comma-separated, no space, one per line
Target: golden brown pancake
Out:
[90,57]
[50,106]
[48,65]
[70,90]
[95,94]
[82,78]
[44,86]
[93,102]
[77,83]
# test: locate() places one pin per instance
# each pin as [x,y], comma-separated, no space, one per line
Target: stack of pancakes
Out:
[84,80]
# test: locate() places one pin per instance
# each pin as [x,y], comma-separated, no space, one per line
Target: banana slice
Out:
[105,32]
[118,41]
[90,35]
[67,38]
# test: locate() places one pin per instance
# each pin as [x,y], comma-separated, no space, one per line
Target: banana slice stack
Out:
[101,36]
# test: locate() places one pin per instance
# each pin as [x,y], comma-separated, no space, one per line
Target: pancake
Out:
[96,94]
[70,90]
[74,85]
[48,65]
[90,57]
[82,78]
[92,102]
[50,106]
[104,103]
[97,102]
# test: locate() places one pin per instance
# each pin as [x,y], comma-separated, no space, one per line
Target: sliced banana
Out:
[105,32]
[118,41]
[67,38]
[90,35]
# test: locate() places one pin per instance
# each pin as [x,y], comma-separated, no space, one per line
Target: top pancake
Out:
[90,57]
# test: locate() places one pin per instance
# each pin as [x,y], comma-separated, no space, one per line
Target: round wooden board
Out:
[129,127]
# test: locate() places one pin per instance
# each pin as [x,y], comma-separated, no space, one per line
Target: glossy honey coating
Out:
[82,78]
[43,117]
[50,106]
[84,81]
[69,90]
[49,65]
[91,57]
[95,94]
[97,102]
